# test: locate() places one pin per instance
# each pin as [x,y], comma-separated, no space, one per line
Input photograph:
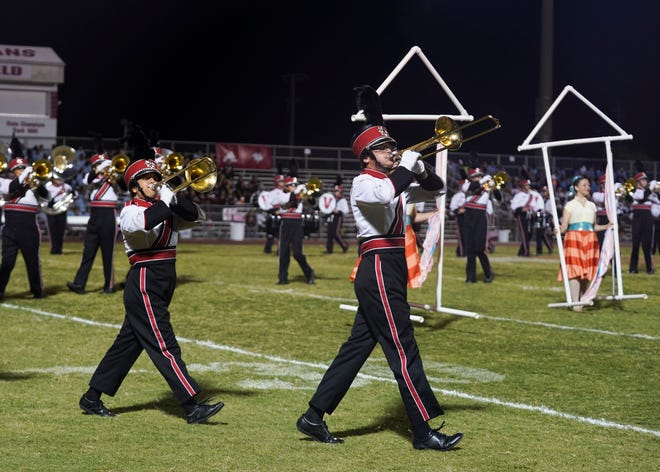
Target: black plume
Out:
[339,179]
[293,167]
[461,171]
[524,174]
[154,137]
[137,139]
[98,141]
[280,168]
[16,147]
[368,101]
[639,166]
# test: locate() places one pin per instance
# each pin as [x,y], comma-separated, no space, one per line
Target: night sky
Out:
[199,73]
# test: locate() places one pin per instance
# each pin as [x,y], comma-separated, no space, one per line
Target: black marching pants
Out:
[383,318]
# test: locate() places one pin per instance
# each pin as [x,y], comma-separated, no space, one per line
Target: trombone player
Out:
[21,231]
[102,225]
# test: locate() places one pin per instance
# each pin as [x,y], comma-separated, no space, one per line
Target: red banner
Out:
[244,156]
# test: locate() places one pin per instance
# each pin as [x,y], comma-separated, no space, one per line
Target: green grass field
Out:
[533,388]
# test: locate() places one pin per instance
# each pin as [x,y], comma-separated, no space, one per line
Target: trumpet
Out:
[449,136]
[200,174]
[498,181]
[4,162]
[42,170]
[118,166]
[626,189]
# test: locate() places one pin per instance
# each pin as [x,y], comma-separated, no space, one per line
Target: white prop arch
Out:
[621,136]
[440,163]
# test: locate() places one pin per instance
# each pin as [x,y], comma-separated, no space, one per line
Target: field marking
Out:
[481,316]
[453,393]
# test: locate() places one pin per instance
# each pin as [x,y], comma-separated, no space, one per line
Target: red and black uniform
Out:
[150,231]
[21,230]
[642,225]
[101,228]
[383,317]
[291,237]
[475,227]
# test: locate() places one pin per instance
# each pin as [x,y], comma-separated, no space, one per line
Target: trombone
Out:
[118,166]
[172,163]
[449,135]
[626,189]
[42,170]
[200,174]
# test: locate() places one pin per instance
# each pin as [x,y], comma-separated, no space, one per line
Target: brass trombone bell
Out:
[627,188]
[201,174]
[448,135]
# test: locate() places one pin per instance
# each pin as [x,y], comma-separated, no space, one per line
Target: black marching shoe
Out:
[75,288]
[203,412]
[318,431]
[310,279]
[489,278]
[438,441]
[94,407]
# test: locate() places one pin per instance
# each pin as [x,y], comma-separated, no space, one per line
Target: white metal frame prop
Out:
[621,136]
[440,162]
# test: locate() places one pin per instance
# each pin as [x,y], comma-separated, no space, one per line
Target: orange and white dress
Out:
[581,248]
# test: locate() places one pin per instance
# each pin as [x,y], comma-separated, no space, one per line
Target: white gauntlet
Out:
[409,159]
[25,174]
[167,196]
[419,168]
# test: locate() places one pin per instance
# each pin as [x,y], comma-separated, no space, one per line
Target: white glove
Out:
[409,159]
[419,168]
[300,188]
[653,184]
[101,166]
[24,175]
[167,196]
[484,179]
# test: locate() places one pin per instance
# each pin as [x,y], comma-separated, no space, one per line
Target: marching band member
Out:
[524,205]
[336,220]
[642,223]
[272,216]
[542,224]
[291,231]
[101,227]
[475,225]
[457,210]
[378,200]
[150,224]
[21,231]
[58,190]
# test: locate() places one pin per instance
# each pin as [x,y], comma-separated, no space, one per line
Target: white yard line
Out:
[453,393]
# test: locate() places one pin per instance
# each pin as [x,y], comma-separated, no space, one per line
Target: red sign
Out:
[244,156]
